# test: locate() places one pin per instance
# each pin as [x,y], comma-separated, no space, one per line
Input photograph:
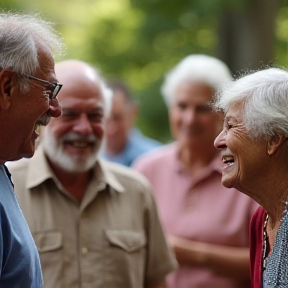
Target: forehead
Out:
[235,112]
[46,63]
[120,103]
[81,98]
[194,92]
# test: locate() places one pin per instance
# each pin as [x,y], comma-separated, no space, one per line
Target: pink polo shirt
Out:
[197,208]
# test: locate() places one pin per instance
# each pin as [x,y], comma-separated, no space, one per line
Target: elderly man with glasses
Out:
[28,90]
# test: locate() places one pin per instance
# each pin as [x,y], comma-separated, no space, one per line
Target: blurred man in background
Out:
[124,142]
[95,223]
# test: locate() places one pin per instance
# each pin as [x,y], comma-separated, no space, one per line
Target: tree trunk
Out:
[247,36]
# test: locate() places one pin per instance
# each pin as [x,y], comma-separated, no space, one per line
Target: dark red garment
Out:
[256,247]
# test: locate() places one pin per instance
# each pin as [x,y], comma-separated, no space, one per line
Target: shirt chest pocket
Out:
[130,241]
[50,246]
[48,241]
[126,251]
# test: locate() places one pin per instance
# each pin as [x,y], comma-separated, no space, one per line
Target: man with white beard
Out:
[95,223]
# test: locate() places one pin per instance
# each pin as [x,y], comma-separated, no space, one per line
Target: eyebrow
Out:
[76,110]
[229,118]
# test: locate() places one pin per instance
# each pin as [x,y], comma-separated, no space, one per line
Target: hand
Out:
[187,251]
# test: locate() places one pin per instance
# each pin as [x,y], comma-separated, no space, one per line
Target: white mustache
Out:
[76,137]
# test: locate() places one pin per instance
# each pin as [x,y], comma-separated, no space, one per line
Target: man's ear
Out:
[6,84]
[274,143]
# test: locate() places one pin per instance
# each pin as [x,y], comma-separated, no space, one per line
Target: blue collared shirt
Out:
[19,259]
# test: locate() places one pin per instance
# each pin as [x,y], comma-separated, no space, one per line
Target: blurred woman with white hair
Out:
[254,149]
[206,224]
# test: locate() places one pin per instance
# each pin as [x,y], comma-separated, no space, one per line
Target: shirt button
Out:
[84,250]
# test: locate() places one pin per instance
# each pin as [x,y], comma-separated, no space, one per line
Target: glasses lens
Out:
[53,87]
[56,90]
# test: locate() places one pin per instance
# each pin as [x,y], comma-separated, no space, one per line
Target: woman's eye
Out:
[229,125]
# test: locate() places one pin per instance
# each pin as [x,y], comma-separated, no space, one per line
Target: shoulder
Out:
[125,175]
[133,187]
[19,165]
[258,218]
[141,142]
[19,171]
[156,156]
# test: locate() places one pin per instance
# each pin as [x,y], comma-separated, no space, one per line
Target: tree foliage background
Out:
[140,41]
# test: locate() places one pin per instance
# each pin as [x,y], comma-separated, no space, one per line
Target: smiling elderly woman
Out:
[255,152]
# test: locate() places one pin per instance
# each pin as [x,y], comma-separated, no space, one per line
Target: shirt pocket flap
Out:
[126,239]
[48,241]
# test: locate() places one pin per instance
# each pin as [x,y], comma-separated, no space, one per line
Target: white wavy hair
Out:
[264,95]
[20,37]
[195,68]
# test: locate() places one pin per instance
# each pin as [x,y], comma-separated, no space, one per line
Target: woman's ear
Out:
[6,84]
[275,142]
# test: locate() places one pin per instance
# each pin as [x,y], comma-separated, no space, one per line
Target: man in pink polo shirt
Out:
[206,224]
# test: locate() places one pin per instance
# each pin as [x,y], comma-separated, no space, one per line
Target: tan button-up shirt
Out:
[112,239]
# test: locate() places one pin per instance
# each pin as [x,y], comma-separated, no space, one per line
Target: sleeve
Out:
[1,241]
[160,258]
[256,247]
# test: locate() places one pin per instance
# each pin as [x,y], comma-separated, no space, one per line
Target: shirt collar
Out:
[39,171]
[107,176]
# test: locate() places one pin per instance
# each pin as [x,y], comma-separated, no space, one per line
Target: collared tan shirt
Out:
[112,239]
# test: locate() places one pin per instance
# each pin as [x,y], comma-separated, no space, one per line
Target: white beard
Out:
[70,163]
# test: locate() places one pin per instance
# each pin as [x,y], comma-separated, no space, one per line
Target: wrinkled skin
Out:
[244,157]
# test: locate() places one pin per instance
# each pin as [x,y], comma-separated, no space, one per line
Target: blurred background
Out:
[140,40]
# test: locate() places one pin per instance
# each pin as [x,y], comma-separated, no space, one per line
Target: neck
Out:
[276,212]
[272,195]
[75,183]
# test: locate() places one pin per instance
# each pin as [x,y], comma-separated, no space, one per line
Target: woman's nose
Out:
[219,141]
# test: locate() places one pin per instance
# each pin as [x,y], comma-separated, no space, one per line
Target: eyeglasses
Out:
[53,88]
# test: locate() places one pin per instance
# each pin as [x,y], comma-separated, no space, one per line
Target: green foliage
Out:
[281,58]
[141,47]
[141,40]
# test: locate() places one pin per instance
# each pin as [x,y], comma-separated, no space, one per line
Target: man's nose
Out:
[54,108]
[83,125]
